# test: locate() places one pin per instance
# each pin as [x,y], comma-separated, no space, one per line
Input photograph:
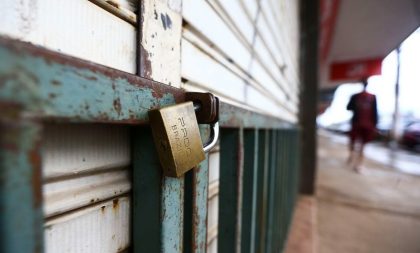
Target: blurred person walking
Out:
[363,124]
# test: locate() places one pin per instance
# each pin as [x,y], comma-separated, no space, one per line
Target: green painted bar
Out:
[271,191]
[21,216]
[172,215]
[195,203]
[157,200]
[249,189]
[253,236]
[264,195]
[278,199]
[262,140]
[284,190]
[199,211]
[147,177]
[228,197]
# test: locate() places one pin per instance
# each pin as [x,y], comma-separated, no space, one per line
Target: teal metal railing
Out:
[258,169]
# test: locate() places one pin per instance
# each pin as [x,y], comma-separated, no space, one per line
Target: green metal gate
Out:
[258,169]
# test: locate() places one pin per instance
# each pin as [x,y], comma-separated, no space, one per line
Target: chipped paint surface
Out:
[200,193]
[51,85]
[160,41]
[20,183]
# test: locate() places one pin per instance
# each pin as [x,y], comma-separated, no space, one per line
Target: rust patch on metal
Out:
[117,105]
[145,63]
[116,5]
[55,82]
[35,161]
[115,203]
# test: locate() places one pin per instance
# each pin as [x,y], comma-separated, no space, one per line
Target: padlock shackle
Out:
[214,136]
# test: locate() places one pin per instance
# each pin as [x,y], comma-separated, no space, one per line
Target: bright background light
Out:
[383,87]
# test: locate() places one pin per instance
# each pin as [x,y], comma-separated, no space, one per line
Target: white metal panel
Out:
[240,18]
[103,228]
[69,149]
[78,28]
[271,87]
[69,194]
[257,100]
[213,213]
[199,13]
[86,171]
[212,247]
[199,67]
[214,166]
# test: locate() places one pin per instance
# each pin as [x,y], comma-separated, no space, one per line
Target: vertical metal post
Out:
[155,231]
[21,216]
[271,191]
[253,236]
[309,13]
[231,160]
[249,192]
[261,197]
[199,206]
[396,115]
[264,197]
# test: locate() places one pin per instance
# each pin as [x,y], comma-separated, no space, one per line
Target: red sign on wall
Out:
[355,70]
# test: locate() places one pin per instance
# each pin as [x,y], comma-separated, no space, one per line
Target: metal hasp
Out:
[206,107]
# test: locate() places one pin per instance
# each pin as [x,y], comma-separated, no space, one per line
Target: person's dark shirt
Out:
[364,109]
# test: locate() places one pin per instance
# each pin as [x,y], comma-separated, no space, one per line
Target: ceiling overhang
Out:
[357,33]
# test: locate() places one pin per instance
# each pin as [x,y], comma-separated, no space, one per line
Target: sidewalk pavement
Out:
[376,211]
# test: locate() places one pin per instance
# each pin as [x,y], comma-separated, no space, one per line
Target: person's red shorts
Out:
[364,134]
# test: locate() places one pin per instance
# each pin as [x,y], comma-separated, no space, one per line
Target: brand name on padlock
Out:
[177,138]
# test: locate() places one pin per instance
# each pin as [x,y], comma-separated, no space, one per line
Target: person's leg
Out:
[359,158]
[352,140]
[366,136]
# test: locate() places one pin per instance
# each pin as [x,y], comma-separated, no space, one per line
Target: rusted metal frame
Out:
[249,190]
[21,215]
[231,158]
[195,205]
[53,86]
[271,194]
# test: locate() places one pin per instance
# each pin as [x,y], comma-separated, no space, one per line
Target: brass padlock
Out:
[177,138]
